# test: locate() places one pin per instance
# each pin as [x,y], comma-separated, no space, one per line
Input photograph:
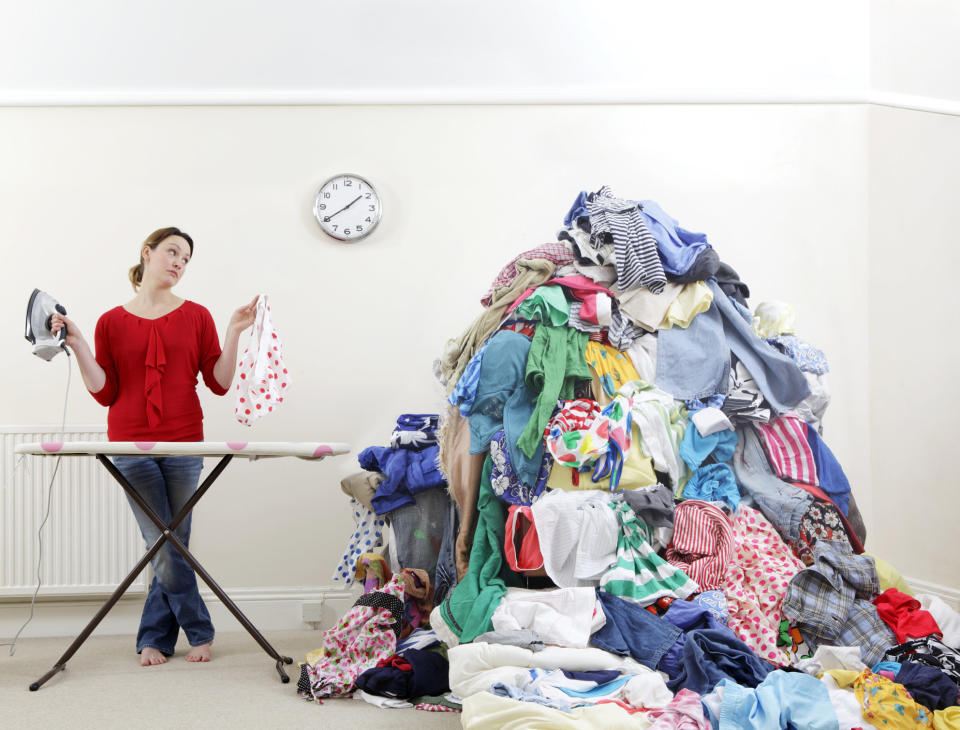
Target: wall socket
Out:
[311,611]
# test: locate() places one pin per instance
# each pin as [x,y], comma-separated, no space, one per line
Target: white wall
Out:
[913,342]
[914,50]
[109,51]
[780,190]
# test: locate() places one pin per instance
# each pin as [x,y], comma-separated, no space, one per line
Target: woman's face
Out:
[166,264]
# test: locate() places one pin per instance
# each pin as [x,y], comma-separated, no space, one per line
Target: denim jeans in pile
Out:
[173,602]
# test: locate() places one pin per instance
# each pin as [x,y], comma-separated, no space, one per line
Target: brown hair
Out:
[154,240]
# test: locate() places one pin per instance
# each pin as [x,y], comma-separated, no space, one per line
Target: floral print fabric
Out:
[362,638]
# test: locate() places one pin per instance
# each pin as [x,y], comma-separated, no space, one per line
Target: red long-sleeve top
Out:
[151,367]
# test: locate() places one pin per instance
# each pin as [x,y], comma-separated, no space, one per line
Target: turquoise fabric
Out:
[504,401]
[469,607]
[555,362]
[694,449]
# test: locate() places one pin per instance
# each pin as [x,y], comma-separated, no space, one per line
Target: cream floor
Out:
[104,687]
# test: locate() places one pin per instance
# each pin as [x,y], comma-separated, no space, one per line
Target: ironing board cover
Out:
[247,449]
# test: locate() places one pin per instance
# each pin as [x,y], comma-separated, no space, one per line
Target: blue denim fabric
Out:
[446,575]
[781,503]
[419,530]
[832,479]
[694,362]
[778,377]
[631,630]
[687,616]
[166,483]
[712,655]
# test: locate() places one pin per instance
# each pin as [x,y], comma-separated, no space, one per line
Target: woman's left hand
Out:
[244,316]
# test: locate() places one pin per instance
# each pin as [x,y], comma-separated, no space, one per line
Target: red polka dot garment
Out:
[262,379]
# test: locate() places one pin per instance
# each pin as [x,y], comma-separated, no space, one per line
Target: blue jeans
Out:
[173,602]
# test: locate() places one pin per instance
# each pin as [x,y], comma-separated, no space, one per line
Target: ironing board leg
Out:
[104,609]
[233,608]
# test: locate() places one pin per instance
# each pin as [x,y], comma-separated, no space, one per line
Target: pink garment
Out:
[581,287]
[702,542]
[685,712]
[761,567]
[559,253]
[785,440]
[362,638]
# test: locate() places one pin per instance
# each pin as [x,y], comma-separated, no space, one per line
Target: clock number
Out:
[368,196]
[373,207]
[347,183]
[359,229]
[334,226]
[367,219]
[326,195]
[334,186]
[322,206]
[346,231]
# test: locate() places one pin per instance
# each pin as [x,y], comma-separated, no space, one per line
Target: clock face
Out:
[347,207]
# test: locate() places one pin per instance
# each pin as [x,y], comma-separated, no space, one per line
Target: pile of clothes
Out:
[646,527]
[652,525]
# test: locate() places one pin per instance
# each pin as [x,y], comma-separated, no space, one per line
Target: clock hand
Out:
[343,208]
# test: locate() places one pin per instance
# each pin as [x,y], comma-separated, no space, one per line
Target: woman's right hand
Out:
[58,321]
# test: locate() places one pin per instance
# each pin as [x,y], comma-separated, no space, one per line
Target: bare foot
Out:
[199,653]
[150,656]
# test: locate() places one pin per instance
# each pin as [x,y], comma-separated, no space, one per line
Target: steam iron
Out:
[40,309]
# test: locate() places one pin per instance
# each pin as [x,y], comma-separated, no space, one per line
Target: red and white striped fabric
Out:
[559,253]
[702,543]
[785,440]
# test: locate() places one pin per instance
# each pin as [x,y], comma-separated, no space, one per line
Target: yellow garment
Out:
[889,576]
[887,704]
[948,719]
[485,710]
[637,471]
[694,299]
[771,319]
[611,369]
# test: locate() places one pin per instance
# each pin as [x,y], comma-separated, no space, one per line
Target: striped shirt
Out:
[637,257]
[785,441]
[702,543]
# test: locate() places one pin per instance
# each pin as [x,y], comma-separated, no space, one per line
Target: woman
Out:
[149,352]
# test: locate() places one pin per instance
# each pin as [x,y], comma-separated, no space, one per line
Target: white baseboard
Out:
[270,609]
[950,595]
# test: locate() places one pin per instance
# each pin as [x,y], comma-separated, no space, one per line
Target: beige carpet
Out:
[104,687]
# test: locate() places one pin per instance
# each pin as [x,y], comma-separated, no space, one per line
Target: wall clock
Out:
[347,207]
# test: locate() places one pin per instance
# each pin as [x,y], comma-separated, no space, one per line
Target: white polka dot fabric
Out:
[262,377]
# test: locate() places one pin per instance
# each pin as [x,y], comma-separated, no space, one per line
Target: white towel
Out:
[262,377]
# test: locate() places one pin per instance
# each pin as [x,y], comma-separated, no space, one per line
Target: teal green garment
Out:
[548,304]
[470,606]
[555,362]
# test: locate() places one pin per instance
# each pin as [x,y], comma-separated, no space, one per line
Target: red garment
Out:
[904,615]
[581,287]
[151,367]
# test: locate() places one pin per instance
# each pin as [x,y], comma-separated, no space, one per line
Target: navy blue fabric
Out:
[429,676]
[711,655]
[928,685]
[687,616]
[406,472]
[832,479]
[631,630]
[600,676]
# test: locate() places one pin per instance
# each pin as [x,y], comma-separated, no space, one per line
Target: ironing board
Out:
[226,450]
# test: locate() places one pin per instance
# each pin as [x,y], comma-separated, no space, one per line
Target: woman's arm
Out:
[227,363]
[94,376]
